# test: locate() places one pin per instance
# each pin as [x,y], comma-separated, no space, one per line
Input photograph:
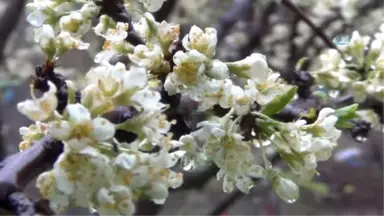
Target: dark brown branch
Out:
[228,201]
[147,207]
[165,10]
[309,22]
[115,9]
[9,22]
[21,168]
[302,52]
[292,46]
[20,204]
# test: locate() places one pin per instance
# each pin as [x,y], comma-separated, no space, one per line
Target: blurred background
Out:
[350,184]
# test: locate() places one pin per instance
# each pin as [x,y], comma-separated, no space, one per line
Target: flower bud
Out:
[286,189]
[152,5]
[218,70]
[158,191]
[90,10]
[46,37]
[75,23]
[253,67]
[202,41]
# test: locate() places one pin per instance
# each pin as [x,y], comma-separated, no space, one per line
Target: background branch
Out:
[8,22]
[289,4]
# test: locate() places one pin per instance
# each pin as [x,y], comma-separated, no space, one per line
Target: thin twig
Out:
[289,4]
[291,61]
[310,40]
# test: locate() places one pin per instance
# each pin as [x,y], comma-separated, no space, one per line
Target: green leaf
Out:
[344,124]
[311,114]
[347,113]
[300,63]
[277,104]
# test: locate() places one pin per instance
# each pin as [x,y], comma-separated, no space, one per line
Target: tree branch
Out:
[289,4]
[9,22]
[309,41]
[21,168]
[165,10]
[118,13]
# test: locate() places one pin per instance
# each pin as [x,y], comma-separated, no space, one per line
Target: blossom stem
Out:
[265,117]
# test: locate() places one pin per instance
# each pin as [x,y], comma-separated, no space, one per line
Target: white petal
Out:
[78,114]
[102,129]
[126,161]
[59,129]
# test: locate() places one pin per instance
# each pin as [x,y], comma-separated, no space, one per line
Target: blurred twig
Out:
[8,22]
[289,4]
[327,22]
[291,61]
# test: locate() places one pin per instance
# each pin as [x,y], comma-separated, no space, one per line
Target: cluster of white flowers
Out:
[60,26]
[32,133]
[107,175]
[302,145]
[358,70]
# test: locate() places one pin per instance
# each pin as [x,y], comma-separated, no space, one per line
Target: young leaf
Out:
[347,113]
[300,63]
[344,124]
[277,104]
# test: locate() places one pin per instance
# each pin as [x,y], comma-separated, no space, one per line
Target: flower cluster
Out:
[358,70]
[302,145]
[60,26]
[32,133]
[108,164]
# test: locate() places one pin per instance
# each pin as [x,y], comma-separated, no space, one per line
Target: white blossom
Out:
[40,109]
[81,129]
[286,189]
[253,67]
[188,67]
[116,200]
[202,41]
[32,133]
[75,23]
[111,31]
[150,58]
